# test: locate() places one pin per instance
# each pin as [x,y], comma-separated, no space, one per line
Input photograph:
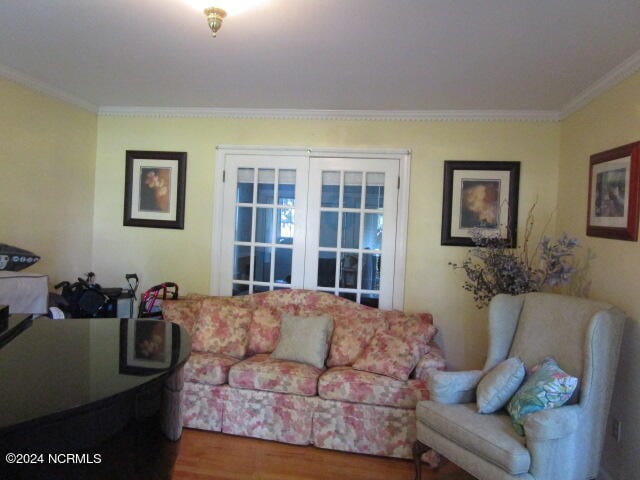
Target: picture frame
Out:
[147,346]
[480,195]
[614,193]
[154,192]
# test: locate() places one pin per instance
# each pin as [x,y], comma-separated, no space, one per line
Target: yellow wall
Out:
[613,119]
[184,256]
[47,163]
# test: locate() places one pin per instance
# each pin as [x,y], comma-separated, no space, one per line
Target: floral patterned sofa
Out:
[232,384]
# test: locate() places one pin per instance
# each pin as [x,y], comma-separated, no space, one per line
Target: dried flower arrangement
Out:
[492,267]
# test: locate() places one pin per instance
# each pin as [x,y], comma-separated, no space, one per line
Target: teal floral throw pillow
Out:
[548,386]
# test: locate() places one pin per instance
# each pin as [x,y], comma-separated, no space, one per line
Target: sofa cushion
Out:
[208,368]
[261,372]
[491,437]
[304,339]
[264,330]
[412,327]
[389,355]
[353,328]
[182,312]
[222,327]
[347,384]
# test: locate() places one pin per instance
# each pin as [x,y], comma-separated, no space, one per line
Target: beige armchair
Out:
[559,444]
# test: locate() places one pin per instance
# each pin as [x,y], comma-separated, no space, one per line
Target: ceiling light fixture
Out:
[217,10]
[215,16]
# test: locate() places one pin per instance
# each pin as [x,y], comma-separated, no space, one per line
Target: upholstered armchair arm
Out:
[552,424]
[551,440]
[454,387]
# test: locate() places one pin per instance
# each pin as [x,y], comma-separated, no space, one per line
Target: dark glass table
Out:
[90,398]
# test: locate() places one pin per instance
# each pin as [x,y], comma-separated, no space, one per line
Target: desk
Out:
[106,387]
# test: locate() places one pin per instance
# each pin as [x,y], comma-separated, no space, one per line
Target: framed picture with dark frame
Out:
[154,189]
[147,346]
[480,195]
[614,184]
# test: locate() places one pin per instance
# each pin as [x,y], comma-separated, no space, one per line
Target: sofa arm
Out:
[454,387]
[553,423]
[431,361]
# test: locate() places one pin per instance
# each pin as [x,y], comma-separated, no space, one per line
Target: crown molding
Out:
[310,114]
[42,87]
[627,68]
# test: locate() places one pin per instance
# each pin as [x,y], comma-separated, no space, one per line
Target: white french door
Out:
[263,238]
[351,228]
[291,219]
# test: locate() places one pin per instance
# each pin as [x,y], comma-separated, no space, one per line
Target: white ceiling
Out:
[322,54]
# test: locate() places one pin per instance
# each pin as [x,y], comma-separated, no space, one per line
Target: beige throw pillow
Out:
[304,339]
[498,386]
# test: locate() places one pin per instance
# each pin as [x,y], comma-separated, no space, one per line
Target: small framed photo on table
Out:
[154,190]
[480,196]
[614,183]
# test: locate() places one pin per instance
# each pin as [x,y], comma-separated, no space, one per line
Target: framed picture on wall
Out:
[614,181]
[479,195]
[154,189]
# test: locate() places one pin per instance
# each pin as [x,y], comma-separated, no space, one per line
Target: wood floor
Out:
[208,456]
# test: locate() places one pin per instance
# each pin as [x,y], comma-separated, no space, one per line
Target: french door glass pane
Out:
[286,222]
[349,295]
[327,269]
[372,239]
[266,181]
[370,299]
[239,289]
[287,188]
[352,190]
[262,264]
[375,191]
[244,220]
[371,271]
[264,225]
[350,230]
[330,189]
[349,270]
[329,229]
[282,272]
[241,262]
[244,193]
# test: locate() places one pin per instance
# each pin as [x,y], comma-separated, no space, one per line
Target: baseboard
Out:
[604,475]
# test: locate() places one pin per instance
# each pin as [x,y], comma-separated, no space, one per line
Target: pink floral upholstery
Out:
[347,384]
[209,368]
[370,429]
[203,405]
[271,416]
[341,409]
[389,355]
[261,372]
[264,330]
[222,327]
[183,312]
[353,329]
[415,327]
[432,360]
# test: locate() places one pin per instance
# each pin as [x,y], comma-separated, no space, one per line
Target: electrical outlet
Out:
[616,429]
